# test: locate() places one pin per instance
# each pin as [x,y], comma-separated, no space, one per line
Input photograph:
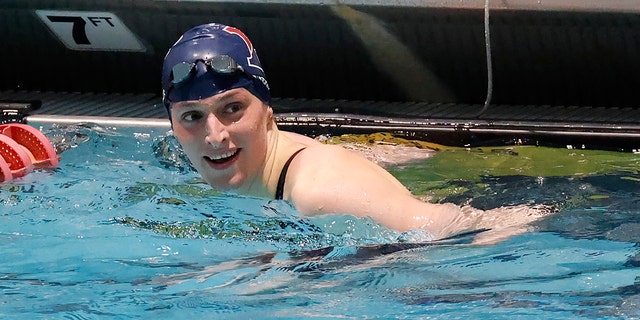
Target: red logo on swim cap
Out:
[247,42]
[244,37]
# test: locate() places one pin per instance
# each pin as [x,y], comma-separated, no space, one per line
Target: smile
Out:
[223,158]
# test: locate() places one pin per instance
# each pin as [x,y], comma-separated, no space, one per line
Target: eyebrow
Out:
[185,104]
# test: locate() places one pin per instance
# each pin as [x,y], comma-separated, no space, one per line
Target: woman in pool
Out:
[218,100]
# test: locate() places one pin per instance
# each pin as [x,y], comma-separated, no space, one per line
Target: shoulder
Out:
[320,157]
[330,179]
[301,139]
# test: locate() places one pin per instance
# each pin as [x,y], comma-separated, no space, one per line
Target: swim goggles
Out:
[222,64]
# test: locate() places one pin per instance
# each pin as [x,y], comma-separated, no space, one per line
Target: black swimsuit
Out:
[283,176]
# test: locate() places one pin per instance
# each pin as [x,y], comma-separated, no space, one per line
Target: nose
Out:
[216,132]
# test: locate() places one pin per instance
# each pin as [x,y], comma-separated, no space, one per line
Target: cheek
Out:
[253,138]
[186,138]
[183,136]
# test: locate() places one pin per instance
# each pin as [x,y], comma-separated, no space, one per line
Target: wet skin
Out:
[234,143]
[225,137]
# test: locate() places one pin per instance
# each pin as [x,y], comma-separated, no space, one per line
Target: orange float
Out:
[23,148]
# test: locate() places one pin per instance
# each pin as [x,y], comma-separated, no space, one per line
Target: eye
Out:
[233,108]
[191,116]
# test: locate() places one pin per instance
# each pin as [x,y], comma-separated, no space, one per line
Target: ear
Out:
[270,111]
[271,122]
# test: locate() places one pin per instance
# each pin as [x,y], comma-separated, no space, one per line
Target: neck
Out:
[279,149]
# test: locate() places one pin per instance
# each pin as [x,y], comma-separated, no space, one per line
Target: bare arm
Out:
[329,179]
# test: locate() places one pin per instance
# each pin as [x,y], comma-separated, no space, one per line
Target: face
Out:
[225,137]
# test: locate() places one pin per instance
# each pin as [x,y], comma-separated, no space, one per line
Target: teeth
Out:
[223,156]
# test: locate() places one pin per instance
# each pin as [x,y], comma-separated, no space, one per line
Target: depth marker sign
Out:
[90,30]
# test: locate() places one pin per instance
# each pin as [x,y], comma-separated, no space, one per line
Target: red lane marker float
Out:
[5,170]
[17,158]
[22,147]
[44,156]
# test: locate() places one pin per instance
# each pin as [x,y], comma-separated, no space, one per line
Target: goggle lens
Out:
[223,64]
[182,72]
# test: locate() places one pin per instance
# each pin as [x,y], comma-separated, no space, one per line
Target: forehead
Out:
[232,95]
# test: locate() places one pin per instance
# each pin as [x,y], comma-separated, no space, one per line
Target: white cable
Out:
[487,43]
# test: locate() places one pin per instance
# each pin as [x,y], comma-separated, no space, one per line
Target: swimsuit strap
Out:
[283,176]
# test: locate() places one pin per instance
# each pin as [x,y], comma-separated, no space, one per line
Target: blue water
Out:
[125,229]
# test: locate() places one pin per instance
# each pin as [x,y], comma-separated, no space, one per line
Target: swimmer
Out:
[218,99]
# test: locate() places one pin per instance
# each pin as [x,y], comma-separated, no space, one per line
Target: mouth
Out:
[223,158]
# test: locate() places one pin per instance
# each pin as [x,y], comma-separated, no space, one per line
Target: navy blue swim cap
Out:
[210,59]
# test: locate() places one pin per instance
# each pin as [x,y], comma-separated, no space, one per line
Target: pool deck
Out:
[448,124]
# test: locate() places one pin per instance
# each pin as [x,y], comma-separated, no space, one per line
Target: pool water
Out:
[126,229]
